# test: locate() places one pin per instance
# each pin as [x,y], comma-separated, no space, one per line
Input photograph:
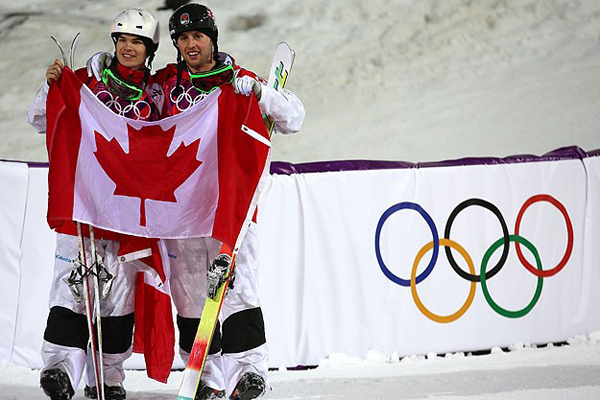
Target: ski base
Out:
[278,74]
[204,335]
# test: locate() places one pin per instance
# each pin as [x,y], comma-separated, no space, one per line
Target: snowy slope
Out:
[554,373]
[410,80]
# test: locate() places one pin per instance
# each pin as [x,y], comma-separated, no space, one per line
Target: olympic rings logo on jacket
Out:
[471,276]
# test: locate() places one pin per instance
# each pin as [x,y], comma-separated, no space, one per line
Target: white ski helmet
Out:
[140,23]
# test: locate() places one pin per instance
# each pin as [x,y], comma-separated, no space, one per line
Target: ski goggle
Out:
[208,81]
[116,85]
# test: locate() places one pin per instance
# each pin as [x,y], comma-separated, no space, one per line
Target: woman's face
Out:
[131,51]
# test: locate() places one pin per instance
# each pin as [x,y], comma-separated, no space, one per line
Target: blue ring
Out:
[436,242]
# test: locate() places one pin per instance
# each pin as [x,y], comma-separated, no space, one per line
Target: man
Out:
[240,370]
[125,89]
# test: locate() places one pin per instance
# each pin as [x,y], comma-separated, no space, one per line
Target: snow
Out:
[522,373]
[411,80]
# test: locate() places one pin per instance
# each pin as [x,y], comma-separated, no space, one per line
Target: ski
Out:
[95,336]
[72,51]
[70,62]
[96,269]
[278,74]
[218,281]
[62,52]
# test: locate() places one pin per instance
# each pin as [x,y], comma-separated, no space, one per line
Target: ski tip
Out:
[288,48]
[284,44]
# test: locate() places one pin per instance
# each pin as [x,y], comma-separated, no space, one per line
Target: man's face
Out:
[197,50]
[131,51]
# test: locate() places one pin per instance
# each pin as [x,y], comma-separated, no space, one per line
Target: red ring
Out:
[563,210]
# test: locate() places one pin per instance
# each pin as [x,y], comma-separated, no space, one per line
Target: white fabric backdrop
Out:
[13,199]
[323,290]
[36,268]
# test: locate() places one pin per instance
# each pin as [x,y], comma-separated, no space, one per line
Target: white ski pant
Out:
[243,347]
[66,335]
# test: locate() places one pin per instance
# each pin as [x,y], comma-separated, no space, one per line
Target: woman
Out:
[125,89]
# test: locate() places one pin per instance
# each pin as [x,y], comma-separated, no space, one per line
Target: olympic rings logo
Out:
[484,274]
[186,98]
[115,104]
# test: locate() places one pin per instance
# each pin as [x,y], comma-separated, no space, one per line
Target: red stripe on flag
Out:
[242,161]
[154,331]
[62,142]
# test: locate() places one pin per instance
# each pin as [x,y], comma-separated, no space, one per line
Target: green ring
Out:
[538,291]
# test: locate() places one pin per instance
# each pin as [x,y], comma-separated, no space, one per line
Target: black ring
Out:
[493,209]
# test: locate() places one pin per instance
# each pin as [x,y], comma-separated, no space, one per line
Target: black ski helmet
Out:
[194,17]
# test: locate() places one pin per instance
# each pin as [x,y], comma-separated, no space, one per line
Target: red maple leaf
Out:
[146,171]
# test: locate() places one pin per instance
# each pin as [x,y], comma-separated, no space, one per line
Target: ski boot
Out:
[56,384]
[90,392]
[110,392]
[250,386]
[205,392]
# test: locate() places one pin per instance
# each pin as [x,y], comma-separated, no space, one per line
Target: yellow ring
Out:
[413,282]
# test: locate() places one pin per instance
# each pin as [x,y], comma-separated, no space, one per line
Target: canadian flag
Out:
[196,174]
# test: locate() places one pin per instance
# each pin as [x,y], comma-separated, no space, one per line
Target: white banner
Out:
[37,266]
[338,250]
[13,199]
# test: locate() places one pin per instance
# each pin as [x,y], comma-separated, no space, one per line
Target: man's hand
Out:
[246,85]
[97,63]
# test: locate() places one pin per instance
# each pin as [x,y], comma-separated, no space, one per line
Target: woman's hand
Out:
[54,71]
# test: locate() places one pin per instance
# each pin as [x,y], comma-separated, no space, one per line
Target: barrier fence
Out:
[438,257]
